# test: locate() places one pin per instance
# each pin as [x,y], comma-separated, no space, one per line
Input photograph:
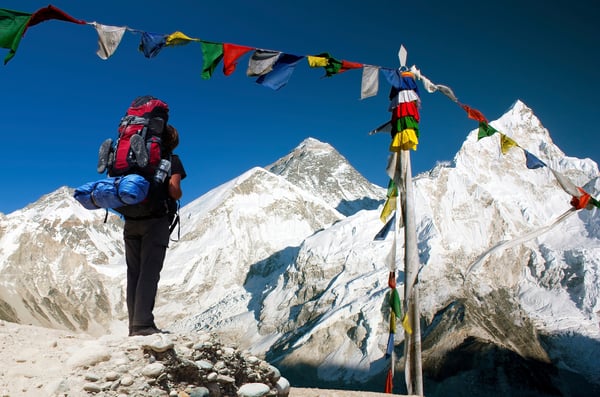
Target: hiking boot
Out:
[104,155]
[138,147]
[144,331]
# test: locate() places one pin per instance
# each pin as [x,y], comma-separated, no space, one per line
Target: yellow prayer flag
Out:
[178,38]
[392,322]
[388,208]
[406,324]
[506,143]
[404,140]
[317,62]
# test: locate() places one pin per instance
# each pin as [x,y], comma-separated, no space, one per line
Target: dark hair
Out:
[170,138]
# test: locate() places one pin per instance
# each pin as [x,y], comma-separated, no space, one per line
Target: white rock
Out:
[253,390]
[153,370]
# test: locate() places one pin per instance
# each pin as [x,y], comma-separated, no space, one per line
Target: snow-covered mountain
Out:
[281,261]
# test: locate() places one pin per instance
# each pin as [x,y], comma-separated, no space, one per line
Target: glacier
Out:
[282,261]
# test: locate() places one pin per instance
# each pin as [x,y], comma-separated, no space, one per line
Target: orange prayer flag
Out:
[474,114]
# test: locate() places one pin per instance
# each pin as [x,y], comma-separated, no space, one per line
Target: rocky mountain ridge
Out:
[281,261]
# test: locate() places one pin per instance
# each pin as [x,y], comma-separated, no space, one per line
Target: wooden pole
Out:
[412,340]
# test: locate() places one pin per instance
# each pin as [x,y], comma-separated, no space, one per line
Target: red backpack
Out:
[138,148]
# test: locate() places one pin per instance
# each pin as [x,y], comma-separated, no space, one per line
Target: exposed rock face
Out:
[278,263]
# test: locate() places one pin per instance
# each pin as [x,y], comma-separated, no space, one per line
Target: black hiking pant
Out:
[146,243]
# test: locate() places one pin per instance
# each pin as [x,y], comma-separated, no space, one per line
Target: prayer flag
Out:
[407,109]
[390,345]
[474,113]
[400,80]
[231,53]
[51,12]
[532,161]
[485,130]
[506,143]
[404,140]
[382,234]
[564,182]
[581,201]
[370,81]
[395,303]
[407,122]
[109,38]
[178,38]
[261,62]
[347,65]
[317,61]
[392,279]
[152,43]
[389,384]
[332,66]
[212,53]
[385,127]
[390,204]
[431,87]
[281,73]
[406,324]
[12,27]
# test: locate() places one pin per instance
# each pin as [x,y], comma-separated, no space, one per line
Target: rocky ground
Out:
[36,361]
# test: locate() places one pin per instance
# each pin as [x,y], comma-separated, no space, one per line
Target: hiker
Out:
[146,241]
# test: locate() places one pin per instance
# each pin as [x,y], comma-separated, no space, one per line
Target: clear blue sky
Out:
[60,100]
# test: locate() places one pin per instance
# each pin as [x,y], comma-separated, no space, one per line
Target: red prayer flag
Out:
[347,65]
[392,280]
[407,109]
[582,201]
[51,12]
[389,384]
[231,53]
[474,114]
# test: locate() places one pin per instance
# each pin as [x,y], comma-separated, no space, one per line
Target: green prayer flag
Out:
[485,130]
[212,54]
[395,303]
[12,27]
[333,65]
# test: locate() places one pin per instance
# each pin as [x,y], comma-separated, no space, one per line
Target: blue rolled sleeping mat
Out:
[113,192]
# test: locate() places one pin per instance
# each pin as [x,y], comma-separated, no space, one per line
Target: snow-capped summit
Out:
[318,168]
[283,262]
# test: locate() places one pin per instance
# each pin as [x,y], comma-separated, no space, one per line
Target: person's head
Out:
[170,138]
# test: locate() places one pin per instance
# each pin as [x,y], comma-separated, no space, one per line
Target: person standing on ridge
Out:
[147,239]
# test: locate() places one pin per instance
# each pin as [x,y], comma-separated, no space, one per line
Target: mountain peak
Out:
[317,167]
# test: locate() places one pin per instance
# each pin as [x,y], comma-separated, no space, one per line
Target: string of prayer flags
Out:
[13,25]
[580,198]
